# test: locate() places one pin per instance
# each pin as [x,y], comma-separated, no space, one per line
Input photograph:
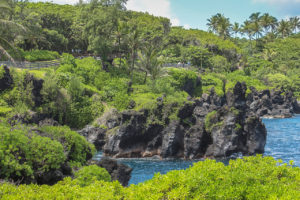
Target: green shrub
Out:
[252,178]
[89,174]
[13,151]
[182,77]
[40,55]
[77,149]
[23,153]
[45,154]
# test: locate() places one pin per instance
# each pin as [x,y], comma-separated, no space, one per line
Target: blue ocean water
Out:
[283,139]
[283,142]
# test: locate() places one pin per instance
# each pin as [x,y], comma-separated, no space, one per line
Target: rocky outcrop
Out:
[117,171]
[274,103]
[6,80]
[94,135]
[212,126]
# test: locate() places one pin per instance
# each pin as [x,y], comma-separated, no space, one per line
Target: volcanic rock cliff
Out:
[211,126]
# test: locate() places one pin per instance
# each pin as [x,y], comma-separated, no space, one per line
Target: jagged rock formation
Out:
[212,126]
[275,103]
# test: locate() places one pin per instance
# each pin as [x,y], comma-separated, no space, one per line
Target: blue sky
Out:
[194,13]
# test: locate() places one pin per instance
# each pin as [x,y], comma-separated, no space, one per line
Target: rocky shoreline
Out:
[211,126]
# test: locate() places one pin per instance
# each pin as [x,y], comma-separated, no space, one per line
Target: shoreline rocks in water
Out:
[211,126]
[273,104]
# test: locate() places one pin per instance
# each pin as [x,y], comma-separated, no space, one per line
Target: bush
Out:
[23,154]
[89,174]
[77,149]
[182,79]
[40,55]
[248,178]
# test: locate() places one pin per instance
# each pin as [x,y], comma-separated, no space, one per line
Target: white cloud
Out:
[155,7]
[277,1]
[285,7]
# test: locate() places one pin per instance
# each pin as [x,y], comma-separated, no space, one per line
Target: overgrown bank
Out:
[247,178]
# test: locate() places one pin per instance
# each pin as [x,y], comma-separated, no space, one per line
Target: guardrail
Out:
[31,65]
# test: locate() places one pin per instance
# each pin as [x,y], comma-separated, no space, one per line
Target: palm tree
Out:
[295,23]
[247,29]
[236,28]
[10,25]
[220,25]
[256,24]
[119,34]
[274,24]
[133,43]
[266,22]
[213,23]
[149,62]
[224,27]
[255,17]
[284,28]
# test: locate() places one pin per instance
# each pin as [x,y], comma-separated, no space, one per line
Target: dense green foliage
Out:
[25,153]
[247,178]
[144,62]
[40,55]
[90,174]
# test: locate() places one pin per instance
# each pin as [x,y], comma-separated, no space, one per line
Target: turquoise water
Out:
[283,142]
[283,139]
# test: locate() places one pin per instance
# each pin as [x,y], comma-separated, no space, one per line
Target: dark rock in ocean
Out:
[118,171]
[6,80]
[256,135]
[94,135]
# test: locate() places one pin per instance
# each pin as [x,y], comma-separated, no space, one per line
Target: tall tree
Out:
[284,28]
[266,21]
[236,28]
[220,25]
[256,24]
[295,23]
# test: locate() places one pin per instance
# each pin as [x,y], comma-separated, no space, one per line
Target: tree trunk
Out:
[145,79]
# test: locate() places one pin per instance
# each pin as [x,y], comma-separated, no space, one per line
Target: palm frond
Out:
[4,52]
[11,24]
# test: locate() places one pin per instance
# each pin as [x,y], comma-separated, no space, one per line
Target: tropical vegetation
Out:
[112,58]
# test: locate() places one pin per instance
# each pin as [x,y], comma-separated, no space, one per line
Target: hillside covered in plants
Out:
[133,85]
